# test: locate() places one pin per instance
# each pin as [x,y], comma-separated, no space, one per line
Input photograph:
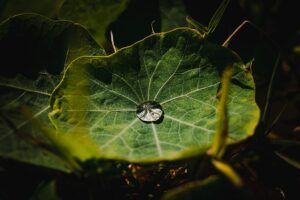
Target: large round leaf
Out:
[177,69]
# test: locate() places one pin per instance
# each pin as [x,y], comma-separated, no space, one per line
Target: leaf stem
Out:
[221,134]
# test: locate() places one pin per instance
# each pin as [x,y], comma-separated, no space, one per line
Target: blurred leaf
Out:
[269,93]
[285,143]
[173,14]
[229,172]
[296,49]
[275,121]
[213,187]
[95,15]
[216,18]
[218,147]
[65,146]
[9,8]
[35,51]
[31,43]
[46,192]
[177,69]
[286,158]
[214,21]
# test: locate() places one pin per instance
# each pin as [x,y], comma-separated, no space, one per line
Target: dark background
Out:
[279,24]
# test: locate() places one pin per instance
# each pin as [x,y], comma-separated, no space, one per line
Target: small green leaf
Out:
[155,100]
[35,51]
[95,15]
[216,18]
[201,28]
[172,13]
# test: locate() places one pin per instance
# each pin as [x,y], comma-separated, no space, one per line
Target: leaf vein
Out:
[130,86]
[24,89]
[114,92]
[187,123]
[120,133]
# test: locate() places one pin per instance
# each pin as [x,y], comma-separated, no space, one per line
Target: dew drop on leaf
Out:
[150,111]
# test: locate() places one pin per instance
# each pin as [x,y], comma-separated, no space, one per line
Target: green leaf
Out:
[172,13]
[9,8]
[213,187]
[200,27]
[216,18]
[95,15]
[177,69]
[35,51]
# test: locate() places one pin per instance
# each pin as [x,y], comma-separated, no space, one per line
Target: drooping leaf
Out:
[35,51]
[213,187]
[9,8]
[229,172]
[172,14]
[96,15]
[64,147]
[219,144]
[155,100]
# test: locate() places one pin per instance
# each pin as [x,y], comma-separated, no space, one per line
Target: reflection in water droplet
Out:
[150,111]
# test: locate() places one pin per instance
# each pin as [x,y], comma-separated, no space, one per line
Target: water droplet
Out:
[150,111]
